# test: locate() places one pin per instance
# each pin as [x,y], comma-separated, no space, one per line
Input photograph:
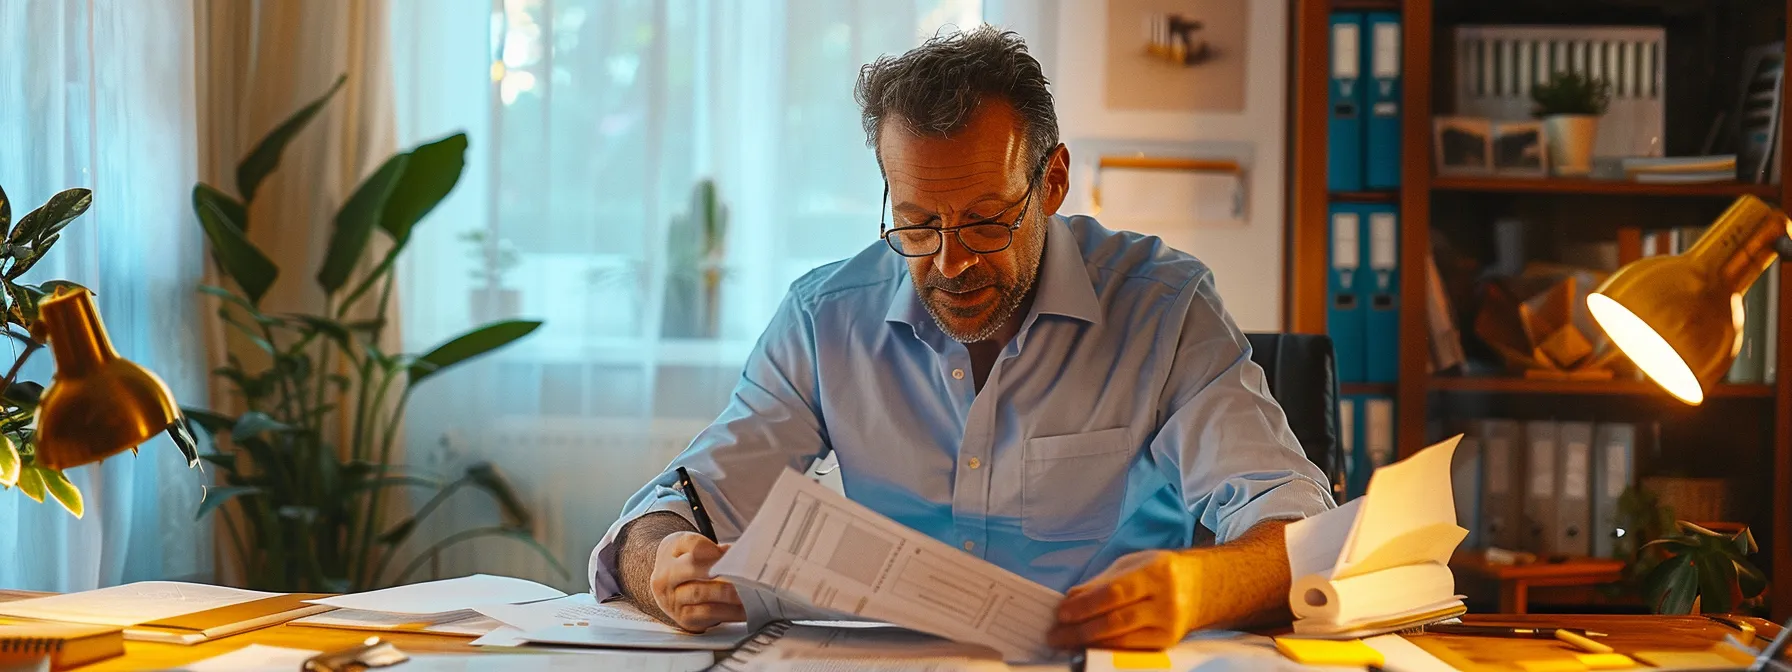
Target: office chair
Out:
[1303,378]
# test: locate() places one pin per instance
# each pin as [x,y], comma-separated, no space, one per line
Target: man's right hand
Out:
[684,588]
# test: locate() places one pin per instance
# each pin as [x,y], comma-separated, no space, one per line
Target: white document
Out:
[447,595]
[131,604]
[1405,656]
[455,623]
[616,661]
[859,646]
[1408,515]
[254,658]
[812,545]
[719,638]
[581,610]
[1205,651]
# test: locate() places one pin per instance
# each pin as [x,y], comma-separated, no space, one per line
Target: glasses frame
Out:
[885,231]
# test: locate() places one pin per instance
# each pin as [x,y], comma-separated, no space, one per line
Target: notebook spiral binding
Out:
[41,645]
[744,654]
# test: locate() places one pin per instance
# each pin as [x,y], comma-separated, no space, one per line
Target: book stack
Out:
[1681,169]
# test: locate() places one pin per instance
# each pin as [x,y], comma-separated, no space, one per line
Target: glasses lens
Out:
[915,241]
[985,237]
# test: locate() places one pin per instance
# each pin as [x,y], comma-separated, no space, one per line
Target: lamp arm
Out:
[1783,246]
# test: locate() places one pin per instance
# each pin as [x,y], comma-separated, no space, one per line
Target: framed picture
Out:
[1518,149]
[1464,145]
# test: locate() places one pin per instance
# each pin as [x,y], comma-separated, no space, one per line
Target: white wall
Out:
[1246,260]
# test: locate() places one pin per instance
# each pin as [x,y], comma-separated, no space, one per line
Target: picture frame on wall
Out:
[1518,149]
[1463,145]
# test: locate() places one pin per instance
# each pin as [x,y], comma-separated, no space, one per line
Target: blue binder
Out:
[1344,128]
[1381,63]
[1380,282]
[1344,315]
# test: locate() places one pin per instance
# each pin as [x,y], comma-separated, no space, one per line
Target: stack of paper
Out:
[168,611]
[444,607]
[1381,562]
[1681,169]
[579,620]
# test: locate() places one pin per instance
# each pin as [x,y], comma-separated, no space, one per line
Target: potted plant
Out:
[308,467]
[1695,570]
[494,258]
[694,272]
[1569,105]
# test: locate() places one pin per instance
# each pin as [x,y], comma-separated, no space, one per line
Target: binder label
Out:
[1345,37]
[1382,243]
[1345,254]
[1499,465]
[1542,465]
[1616,477]
[1387,51]
[1380,434]
[1574,472]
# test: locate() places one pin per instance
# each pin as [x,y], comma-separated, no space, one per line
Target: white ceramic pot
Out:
[1570,138]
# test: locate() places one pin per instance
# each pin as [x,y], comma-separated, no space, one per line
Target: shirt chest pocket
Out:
[1075,485]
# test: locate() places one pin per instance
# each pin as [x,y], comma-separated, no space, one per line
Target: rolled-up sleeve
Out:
[1240,463]
[772,422]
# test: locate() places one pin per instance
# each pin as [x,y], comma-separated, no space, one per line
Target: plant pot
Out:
[491,304]
[1570,138]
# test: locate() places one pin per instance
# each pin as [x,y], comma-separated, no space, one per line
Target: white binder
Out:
[1574,478]
[1539,528]
[1502,460]
[1614,471]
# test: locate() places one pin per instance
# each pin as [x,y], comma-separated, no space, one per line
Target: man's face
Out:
[979,173]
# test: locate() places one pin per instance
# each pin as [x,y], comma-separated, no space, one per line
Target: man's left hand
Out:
[1146,600]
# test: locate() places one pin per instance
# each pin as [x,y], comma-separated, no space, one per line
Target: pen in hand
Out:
[698,511]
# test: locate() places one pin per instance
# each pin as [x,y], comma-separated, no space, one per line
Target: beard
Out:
[1005,292]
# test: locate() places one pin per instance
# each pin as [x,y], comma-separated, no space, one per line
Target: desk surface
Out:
[1628,634]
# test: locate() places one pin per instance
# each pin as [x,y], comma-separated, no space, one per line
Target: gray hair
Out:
[934,88]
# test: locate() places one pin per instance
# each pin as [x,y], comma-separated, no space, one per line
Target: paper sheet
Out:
[719,638]
[130,604]
[1206,651]
[811,544]
[1405,656]
[1408,515]
[447,595]
[254,658]
[456,623]
[576,610]
[856,646]
[616,661]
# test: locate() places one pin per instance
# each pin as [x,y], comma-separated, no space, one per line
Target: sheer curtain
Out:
[100,95]
[592,122]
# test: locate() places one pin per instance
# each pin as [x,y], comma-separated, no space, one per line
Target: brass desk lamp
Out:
[98,404]
[1679,318]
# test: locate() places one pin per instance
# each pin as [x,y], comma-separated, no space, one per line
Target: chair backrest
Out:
[1303,378]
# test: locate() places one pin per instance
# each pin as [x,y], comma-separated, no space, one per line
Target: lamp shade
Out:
[1679,318]
[98,404]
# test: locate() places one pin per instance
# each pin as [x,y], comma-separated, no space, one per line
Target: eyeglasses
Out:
[982,237]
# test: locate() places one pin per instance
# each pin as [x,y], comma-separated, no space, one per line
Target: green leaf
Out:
[403,480]
[65,492]
[1717,576]
[5,211]
[225,461]
[336,331]
[239,258]
[215,497]
[266,156]
[232,209]
[1749,579]
[1672,587]
[52,217]
[398,532]
[469,345]
[231,297]
[23,395]
[433,171]
[371,280]
[256,422]
[356,221]
[10,463]
[1744,543]
[486,477]
[182,436]
[31,482]
[212,422]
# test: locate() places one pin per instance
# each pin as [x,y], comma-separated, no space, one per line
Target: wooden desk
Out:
[1628,634]
[1514,582]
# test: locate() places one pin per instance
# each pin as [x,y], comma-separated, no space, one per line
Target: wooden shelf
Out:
[1382,389]
[1390,196]
[1366,5]
[1558,185]
[1495,385]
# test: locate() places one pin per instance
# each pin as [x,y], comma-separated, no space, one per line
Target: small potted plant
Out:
[494,257]
[1569,105]
[1695,570]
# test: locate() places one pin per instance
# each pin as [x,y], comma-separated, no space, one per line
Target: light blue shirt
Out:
[1125,412]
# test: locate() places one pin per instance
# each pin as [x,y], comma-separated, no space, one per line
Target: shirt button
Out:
[976,463]
[958,374]
[970,545]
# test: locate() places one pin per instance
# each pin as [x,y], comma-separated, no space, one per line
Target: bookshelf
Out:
[1752,420]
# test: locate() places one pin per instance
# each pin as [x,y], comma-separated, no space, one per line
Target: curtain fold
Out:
[100,95]
[260,61]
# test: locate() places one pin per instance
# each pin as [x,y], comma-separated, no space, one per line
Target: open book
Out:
[1381,562]
[811,553]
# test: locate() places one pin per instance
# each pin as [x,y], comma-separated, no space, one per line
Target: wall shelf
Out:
[1499,385]
[1390,196]
[1375,389]
[1559,185]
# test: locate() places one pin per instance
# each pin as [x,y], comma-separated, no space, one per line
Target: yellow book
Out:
[1352,652]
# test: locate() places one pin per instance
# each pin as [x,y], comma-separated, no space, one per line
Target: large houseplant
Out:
[308,465]
[22,245]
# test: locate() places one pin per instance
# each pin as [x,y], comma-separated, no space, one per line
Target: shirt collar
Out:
[1064,287]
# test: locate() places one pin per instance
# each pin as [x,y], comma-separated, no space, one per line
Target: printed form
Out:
[813,546]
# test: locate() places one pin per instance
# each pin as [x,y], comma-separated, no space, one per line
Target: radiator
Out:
[1496,66]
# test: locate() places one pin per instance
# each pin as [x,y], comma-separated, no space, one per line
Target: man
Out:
[1056,398]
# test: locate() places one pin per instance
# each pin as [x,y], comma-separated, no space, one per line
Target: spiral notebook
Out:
[828,645]
[67,646]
